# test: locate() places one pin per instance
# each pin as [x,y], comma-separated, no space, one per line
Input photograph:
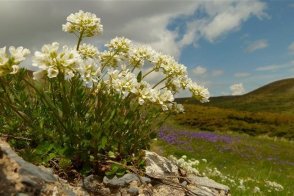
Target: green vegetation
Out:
[242,162]
[247,140]
[228,120]
[275,97]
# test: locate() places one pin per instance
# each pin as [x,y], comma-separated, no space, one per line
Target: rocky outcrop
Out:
[162,178]
[18,177]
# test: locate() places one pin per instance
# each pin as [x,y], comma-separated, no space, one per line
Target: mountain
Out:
[277,96]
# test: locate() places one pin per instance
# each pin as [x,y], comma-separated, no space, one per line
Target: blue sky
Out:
[228,59]
[229,46]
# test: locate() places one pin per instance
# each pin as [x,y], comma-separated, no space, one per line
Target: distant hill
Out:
[277,96]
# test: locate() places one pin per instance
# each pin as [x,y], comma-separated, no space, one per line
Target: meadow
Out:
[245,142]
[248,165]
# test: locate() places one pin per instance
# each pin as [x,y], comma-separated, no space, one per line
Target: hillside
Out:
[277,96]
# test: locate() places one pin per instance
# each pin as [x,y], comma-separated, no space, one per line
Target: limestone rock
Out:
[18,177]
[159,166]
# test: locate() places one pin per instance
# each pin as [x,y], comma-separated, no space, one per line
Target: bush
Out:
[82,106]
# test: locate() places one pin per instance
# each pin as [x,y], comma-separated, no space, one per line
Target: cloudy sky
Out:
[229,46]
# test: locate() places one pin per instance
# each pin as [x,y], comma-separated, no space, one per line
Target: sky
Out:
[229,46]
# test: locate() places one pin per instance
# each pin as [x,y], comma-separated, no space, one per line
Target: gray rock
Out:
[124,180]
[159,166]
[206,182]
[26,168]
[184,183]
[114,182]
[133,191]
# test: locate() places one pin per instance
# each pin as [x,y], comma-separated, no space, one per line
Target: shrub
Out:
[84,107]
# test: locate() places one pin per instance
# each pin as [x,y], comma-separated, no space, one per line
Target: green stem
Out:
[80,39]
[160,81]
[46,102]
[149,72]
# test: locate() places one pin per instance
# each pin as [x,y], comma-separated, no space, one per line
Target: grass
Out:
[237,156]
[230,120]
[276,97]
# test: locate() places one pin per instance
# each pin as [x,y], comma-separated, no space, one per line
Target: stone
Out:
[18,177]
[184,183]
[206,182]
[26,168]
[159,166]
[133,191]
[125,180]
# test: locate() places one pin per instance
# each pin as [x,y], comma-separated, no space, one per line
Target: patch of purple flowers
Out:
[173,136]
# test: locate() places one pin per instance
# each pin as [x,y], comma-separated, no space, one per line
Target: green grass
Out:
[245,157]
[229,120]
[275,97]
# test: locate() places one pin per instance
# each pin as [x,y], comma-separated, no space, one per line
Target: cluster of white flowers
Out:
[9,64]
[120,45]
[122,81]
[139,54]
[84,23]
[273,186]
[198,92]
[90,72]
[54,62]
[116,66]
[241,184]
[186,164]
[88,51]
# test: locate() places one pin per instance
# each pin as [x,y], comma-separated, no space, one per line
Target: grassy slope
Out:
[243,157]
[274,97]
[268,110]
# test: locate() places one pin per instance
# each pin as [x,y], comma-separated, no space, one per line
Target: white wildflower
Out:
[139,54]
[198,92]
[18,54]
[256,189]
[85,23]
[120,45]
[10,64]
[274,185]
[88,51]
[53,62]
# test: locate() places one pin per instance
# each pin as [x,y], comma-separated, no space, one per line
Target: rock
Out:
[125,180]
[133,191]
[171,174]
[26,168]
[94,185]
[159,166]
[18,177]
[184,183]
[206,182]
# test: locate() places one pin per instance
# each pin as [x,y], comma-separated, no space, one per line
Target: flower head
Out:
[88,51]
[83,22]
[9,64]
[54,62]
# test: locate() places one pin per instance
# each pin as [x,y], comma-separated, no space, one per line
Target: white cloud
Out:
[216,73]
[291,48]
[145,21]
[257,45]
[241,74]
[237,89]
[223,16]
[276,67]
[199,70]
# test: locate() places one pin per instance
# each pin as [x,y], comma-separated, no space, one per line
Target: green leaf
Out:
[103,142]
[139,76]
[111,154]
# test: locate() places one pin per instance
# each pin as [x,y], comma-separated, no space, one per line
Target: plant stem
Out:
[149,72]
[80,39]
[160,81]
